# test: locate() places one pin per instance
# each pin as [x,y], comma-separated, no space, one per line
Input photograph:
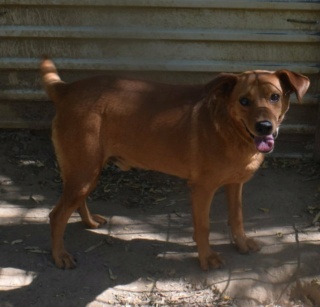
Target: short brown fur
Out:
[205,134]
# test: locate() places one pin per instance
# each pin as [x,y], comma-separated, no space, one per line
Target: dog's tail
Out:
[52,83]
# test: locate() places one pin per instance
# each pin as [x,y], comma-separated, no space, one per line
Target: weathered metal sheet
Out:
[226,4]
[167,40]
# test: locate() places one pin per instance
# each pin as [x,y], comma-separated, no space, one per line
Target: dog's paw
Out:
[211,261]
[99,219]
[64,260]
[95,221]
[246,245]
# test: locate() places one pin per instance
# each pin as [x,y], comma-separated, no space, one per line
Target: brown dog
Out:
[213,135]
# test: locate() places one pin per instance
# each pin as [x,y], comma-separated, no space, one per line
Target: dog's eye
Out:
[274,98]
[244,101]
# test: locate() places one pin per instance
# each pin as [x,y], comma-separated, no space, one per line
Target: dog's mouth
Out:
[264,143]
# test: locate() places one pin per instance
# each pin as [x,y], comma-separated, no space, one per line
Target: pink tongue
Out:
[264,143]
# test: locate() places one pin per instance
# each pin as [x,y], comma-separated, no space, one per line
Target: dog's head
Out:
[257,101]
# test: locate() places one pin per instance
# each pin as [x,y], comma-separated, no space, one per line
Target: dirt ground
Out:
[144,255]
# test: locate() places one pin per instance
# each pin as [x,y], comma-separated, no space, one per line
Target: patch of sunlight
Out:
[26,214]
[11,211]
[12,278]
[126,228]
[37,213]
[131,294]
[177,256]
[278,239]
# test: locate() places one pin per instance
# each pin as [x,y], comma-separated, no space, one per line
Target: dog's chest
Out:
[243,171]
[237,170]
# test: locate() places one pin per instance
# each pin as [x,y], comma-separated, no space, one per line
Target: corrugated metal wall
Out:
[168,40]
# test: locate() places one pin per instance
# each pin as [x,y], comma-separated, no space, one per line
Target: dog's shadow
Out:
[110,264]
[103,262]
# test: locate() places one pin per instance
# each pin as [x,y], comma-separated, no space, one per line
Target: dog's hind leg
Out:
[77,186]
[234,197]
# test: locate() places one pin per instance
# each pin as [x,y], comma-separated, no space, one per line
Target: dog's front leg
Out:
[201,202]
[234,197]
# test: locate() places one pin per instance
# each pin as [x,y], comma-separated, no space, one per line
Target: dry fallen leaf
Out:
[35,200]
[39,164]
[111,275]
[307,292]
[91,248]
[265,210]
[36,250]
[316,219]
[160,199]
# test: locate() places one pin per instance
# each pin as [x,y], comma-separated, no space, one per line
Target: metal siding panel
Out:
[226,4]
[187,34]
[168,40]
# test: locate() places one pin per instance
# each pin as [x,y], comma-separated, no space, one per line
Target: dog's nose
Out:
[264,127]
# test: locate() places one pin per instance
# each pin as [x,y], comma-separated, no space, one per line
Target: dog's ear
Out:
[294,82]
[223,84]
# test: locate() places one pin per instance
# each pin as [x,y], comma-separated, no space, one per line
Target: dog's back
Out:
[139,123]
[149,92]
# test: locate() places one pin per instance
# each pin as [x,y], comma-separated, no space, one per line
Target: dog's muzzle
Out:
[264,140]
